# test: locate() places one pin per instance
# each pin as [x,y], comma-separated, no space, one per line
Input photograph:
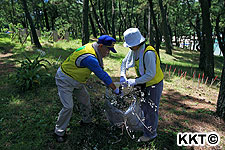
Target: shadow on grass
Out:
[32,115]
[6,65]
[4,35]
[6,47]
[173,103]
[192,59]
[179,70]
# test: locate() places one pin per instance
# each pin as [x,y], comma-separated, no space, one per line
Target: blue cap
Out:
[108,41]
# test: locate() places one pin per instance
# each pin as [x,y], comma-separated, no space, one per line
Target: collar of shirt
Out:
[99,56]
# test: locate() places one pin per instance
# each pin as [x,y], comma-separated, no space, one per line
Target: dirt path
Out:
[190,113]
[5,66]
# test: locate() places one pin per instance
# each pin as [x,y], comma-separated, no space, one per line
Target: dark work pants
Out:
[150,108]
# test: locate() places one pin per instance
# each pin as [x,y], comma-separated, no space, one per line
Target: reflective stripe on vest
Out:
[159,74]
[69,67]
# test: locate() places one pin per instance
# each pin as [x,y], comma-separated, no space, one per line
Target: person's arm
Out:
[123,67]
[150,65]
[92,63]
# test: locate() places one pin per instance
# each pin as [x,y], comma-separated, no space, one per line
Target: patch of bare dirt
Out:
[6,67]
[187,113]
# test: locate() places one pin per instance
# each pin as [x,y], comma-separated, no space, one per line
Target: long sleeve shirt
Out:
[150,66]
[92,63]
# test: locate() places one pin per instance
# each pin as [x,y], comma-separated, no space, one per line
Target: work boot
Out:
[145,139]
[60,139]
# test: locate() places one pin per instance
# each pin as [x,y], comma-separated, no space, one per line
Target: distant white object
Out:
[216,49]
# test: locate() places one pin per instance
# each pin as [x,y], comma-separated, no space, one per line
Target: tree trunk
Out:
[37,18]
[101,16]
[149,31]
[107,24]
[24,22]
[131,14]
[220,110]
[169,27]
[113,18]
[175,34]
[194,41]
[146,24]
[46,16]
[85,31]
[191,24]
[34,34]
[175,37]
[137,21]
[208,41]
[54,14]
[165,29]
[171,36]
[200,46]
[13,12]
[121,21]
[126,15]
[120,28]
[53,23]
[101,28]
[92,26]
[157,39]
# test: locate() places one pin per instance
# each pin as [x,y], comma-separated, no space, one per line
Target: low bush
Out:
[29,74]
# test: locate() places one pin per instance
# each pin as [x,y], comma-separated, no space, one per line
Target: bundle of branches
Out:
[124,111]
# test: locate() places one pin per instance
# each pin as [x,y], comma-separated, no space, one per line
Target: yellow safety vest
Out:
[159,74]
[69,67]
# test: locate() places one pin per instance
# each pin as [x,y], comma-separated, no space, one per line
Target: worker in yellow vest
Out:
[147,66]
[73,74]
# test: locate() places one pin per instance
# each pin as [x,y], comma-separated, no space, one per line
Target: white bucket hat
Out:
[132,37]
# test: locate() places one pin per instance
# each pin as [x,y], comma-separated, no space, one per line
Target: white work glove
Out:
[123,81]
[131,82]
[117,91]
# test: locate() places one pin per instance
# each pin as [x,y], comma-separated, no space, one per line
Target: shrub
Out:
[29,74]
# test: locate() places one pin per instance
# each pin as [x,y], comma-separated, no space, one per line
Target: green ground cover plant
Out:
[29,74]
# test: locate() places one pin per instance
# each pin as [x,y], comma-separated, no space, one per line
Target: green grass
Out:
[187,60]
[27,119]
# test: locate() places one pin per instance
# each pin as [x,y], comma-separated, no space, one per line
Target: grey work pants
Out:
[66,86]
[150,108]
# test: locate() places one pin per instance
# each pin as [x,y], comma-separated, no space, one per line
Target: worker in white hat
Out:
[147,66]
